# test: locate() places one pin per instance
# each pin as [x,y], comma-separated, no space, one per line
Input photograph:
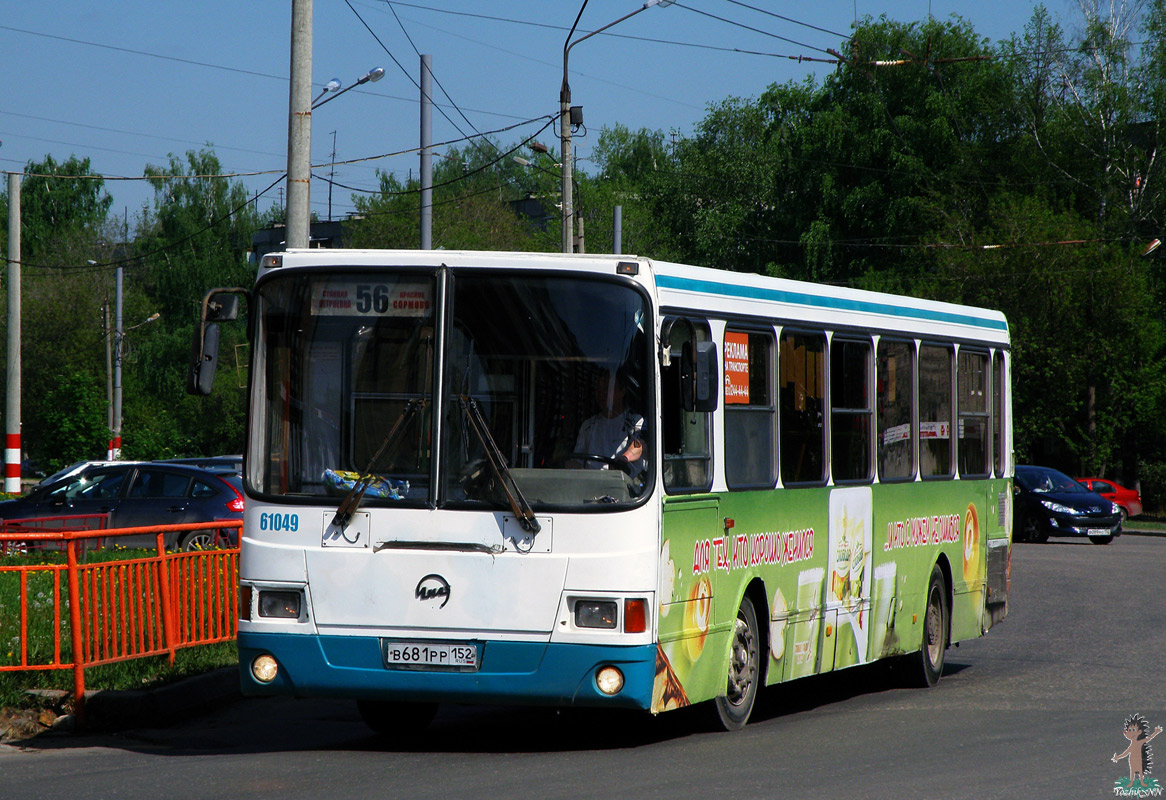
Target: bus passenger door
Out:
[688,574]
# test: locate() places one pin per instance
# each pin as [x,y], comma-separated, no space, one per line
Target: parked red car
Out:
[1129,500]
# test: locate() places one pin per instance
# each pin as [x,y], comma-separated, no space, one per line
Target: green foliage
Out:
[472,192]
[74,419]
[1152,475]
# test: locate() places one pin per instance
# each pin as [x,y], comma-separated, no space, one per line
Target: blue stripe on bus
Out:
[817,301]
[510,672]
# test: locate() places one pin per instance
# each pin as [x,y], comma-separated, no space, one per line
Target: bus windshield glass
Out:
[544,394]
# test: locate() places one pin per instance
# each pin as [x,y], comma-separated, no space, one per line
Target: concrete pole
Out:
[617,230]
[108,378]
[12,448]
[565,155]
[299,127]
[426,152]
[117,343]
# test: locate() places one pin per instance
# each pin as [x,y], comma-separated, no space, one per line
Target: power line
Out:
[407,151]
[104,266]
[751,28]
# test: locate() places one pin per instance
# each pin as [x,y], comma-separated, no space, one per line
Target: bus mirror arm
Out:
[218,305]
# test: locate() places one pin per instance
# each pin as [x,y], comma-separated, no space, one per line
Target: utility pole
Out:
[12,449]
[299,127]
[617,230]
[426,152]
[117,345]
[108,375]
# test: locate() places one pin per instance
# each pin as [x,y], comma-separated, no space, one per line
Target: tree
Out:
[64,225]
[473,190]
[196,237]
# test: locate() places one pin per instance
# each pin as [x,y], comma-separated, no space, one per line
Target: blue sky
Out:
[126,83]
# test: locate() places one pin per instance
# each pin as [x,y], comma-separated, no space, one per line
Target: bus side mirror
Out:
[204,359]
[222,307]
[219,305]
[699,382]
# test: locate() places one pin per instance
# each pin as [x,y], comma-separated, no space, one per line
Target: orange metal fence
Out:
[86,614]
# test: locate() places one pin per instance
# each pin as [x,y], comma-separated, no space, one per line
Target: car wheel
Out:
[197,540]
[927,664]
[734,707]
[396,720]
[1125,514]
[1032,530]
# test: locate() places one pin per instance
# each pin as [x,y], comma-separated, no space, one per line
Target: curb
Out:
[1141,532]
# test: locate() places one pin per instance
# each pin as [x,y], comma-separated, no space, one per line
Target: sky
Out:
[128,83]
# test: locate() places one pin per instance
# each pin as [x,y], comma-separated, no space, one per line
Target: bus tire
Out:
[928,662]
[396,719]
[744,678]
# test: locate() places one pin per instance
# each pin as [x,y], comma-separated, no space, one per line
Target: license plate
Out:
[429,655]
[1097,532]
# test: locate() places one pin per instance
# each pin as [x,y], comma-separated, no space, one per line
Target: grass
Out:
[140,673]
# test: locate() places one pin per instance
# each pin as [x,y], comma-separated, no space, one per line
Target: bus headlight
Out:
[595,613]
[609,680]
[264,668]
[282,605]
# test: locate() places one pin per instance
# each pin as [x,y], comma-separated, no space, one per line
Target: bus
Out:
[606,481]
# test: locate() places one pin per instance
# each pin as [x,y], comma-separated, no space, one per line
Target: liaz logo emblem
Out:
[431,588]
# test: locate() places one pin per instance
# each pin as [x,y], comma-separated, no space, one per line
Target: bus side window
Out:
[935,407]
[1000,399]
[685,434]
[972,388]
[851,414]
[802,439]
[895,397]
[750,412]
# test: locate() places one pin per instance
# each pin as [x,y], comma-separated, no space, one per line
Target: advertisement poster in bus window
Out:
[736,368]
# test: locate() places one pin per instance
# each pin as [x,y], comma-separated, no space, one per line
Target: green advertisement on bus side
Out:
[843,570]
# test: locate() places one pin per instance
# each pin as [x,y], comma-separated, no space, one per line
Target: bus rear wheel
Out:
[395,719]
[928,666]
[735,706]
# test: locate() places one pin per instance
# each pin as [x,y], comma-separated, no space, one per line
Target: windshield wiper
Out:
[351,500]
[522,510]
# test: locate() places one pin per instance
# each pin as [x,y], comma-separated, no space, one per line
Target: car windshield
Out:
[1044,481]
[544,385]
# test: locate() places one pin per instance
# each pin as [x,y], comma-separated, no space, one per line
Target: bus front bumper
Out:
[536,673]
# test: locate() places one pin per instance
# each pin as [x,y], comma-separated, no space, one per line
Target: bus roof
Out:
[704,290]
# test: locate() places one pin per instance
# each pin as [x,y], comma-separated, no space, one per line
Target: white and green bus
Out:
[606,481]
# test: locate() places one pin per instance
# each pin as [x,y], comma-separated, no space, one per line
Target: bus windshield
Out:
[545,386]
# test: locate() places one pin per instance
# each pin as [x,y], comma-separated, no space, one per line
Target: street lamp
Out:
[330,86]
[372,76]
[574,116]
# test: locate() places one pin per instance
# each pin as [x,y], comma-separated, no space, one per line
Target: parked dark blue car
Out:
[137,494]
[1050,503]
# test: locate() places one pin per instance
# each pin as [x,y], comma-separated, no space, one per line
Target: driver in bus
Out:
[614,432]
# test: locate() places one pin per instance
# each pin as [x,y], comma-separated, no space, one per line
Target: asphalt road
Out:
[1033,710]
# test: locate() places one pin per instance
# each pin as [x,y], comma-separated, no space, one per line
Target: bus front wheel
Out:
[397,720]
[735,706]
